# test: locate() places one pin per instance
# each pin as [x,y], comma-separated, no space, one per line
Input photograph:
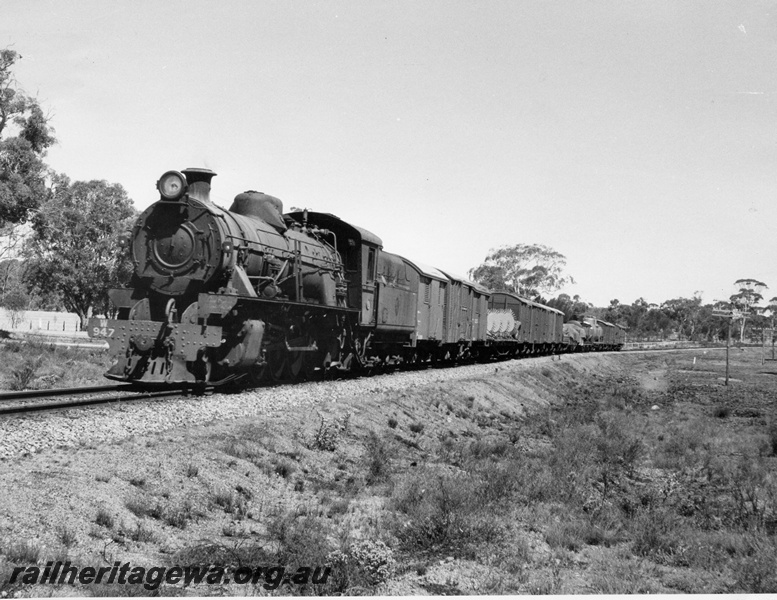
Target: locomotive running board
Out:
[221,304]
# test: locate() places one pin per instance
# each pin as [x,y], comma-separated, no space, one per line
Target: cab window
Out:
[371,264]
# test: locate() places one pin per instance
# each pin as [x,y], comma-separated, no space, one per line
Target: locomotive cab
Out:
[359,250]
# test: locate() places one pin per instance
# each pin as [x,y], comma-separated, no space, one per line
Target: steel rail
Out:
[46,406]
[19,395]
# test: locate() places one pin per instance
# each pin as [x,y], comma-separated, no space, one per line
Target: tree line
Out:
[58,238]
[536,272]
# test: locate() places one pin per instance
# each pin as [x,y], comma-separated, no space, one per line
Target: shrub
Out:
[231,503]
[300,540]
[416,427]
[104,519]
[656,533]
[338,507]
[244,450]
[68,537]
[497,480]
[23,552]
[755,571]
[573,532]
[684,446]
[138,507]
[284,468]
[566,534]
[329,432]
[142,534]
[439,509]
[771,434]
[721,412]
[179,515]
[392,423]
[620,576]
[361,564]
[484,448]
[22,377]
[754,493]
[377,458]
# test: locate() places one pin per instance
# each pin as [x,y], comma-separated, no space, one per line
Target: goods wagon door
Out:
[465,332]
[425,324]
[527,318]
[557,334]
[443,311]
[431,284]
[452,331]
[479,319]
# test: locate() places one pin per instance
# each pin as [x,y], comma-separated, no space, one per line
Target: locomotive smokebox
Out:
[198,183]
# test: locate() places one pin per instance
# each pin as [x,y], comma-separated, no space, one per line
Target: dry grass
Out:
[43,366]
[470,489]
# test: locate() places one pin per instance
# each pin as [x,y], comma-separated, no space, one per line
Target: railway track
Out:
[17,403]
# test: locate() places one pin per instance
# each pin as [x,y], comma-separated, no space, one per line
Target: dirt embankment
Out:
[410,491]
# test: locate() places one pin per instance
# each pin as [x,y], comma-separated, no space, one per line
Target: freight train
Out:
[252,292]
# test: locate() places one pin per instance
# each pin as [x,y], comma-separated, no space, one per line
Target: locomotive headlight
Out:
[171,185]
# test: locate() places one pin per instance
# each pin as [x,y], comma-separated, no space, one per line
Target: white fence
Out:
[41,321]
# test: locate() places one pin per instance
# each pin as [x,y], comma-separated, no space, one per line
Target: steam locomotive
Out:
[252,292]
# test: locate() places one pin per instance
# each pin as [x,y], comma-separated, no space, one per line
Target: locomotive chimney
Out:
[198,181]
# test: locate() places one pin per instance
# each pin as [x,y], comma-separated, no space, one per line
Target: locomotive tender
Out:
[250,291]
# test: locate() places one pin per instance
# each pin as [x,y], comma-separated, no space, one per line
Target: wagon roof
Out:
[426,270]
[476,286]
[529,302]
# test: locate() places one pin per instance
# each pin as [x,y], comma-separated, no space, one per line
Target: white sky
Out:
[636,138]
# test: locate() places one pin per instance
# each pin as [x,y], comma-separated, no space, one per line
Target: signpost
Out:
[730,315]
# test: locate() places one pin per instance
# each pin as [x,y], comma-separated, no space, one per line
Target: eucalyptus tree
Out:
[25,135]
[74,248]
[747,299]
[530,270]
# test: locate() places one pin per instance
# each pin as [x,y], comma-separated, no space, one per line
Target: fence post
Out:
[728,344]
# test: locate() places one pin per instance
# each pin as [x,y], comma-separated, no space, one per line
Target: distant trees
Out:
[16,302]
[530,270]
[678,318]
[73,251]
[686,312]
[746,300]
[573,307]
